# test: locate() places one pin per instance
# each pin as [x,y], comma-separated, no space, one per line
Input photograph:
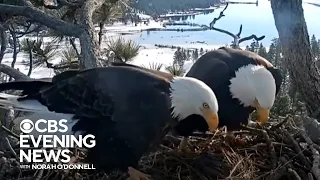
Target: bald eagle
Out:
[127,109]
[242,81]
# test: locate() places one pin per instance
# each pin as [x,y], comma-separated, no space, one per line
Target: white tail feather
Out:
[8,100]
[38,110]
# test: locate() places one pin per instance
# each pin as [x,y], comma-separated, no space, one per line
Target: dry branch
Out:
[316,157]
[17,75]
[3,40]
[43,18]
[236,37]
[90,52]
[210,157]
[57,4]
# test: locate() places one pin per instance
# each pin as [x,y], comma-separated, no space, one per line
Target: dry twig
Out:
[236,37]
[272,153]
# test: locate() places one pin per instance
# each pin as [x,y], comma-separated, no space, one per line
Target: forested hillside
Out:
[159,7]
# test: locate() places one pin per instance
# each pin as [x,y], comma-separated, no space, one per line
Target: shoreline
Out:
[149,53]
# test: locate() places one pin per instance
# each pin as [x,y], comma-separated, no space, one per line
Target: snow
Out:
[144,16]
[154,55]
[40,72]
[157,55]
[311,1]
[242,1]
[180,14]
[120,28]
[148,53]
[209,8]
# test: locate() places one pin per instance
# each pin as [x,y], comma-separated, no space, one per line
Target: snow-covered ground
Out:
[148,54]
[120,28]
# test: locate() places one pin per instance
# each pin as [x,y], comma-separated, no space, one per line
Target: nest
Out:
[279,151]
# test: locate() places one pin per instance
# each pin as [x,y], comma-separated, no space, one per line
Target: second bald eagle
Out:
[242,81]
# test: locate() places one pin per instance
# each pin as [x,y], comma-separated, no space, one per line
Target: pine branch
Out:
[17,75]
[43,18]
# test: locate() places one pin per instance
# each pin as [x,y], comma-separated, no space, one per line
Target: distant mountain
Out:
[153,7]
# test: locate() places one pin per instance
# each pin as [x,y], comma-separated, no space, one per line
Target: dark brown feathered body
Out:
[128,110]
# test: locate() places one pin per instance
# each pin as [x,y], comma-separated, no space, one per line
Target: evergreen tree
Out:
[272,53]
[262,51]
[201,51]
[188,54]
[254,46]
[247,48]
[179,57]
[278,59]
[195,55]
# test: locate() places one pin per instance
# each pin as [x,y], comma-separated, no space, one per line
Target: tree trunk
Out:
[89,50]
[3,40]
[293,35]
[88,39]
[101,25]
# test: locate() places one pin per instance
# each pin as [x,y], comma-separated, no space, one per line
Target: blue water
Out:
[255,20]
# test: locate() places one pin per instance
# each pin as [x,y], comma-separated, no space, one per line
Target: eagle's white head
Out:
[254,86]
[191,96]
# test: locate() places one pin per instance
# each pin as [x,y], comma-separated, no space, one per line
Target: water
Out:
[255,20]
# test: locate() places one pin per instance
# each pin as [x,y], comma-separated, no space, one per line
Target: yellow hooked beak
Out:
[211,118]
[263,114]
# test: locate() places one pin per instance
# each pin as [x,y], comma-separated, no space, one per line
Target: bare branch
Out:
[17,75]
[27,28]
[73,65]
[14,41]
[43,18]
[70,4]
[57,4]
[316,157]
[225,32]
[3,40]
[240,31]
[30,45]
[251,37]
[73,44]
[236,37]
[213,22]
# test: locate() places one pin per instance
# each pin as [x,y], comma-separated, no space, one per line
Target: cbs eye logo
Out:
[26,126]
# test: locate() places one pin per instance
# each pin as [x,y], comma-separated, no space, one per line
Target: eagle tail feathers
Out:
[11,101]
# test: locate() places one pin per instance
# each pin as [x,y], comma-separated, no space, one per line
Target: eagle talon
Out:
[137,175]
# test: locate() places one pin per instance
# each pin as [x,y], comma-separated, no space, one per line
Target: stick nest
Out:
[278,151]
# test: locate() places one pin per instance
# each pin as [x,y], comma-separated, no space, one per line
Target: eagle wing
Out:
[128,105]
[210,69]
[168,76]
[64,75]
